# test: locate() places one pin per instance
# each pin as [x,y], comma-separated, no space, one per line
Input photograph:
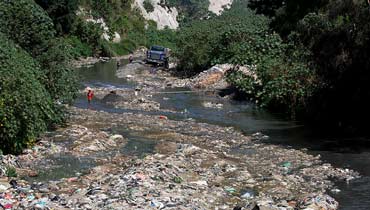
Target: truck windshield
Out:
[157,48]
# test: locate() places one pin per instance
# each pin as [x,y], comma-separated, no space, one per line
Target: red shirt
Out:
[90,95]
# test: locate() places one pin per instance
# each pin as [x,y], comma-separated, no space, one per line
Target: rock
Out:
[116,137]
[217,6]
[162,15]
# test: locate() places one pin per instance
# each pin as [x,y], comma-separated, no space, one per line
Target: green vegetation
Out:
[11,172]
[284,79]
[335,33]
[26,108]
[62,12]
[33,74]
[38,39]
[85,37]
[315,67]
[190,9]
[305,59]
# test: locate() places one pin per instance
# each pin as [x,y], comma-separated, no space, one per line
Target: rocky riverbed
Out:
[192,165]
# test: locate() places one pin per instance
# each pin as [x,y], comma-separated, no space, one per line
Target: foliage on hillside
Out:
[85,37]
[29,26]
[38,38]
[62,12]
[239,36]
[190,9]
[336,33]
[26,108]
[34,74]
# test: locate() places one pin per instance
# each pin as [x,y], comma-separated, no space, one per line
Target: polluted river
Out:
[146,142]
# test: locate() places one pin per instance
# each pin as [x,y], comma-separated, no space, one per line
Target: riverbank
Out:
[191,165]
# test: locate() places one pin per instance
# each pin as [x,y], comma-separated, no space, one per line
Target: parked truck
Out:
[158,55]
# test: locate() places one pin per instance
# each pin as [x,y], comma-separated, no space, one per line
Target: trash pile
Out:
[21,195]
[212,78]
[8,161]
[196,166]
[89,141]
[275,174]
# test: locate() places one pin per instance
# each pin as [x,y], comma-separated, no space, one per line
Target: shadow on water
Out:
[347,152]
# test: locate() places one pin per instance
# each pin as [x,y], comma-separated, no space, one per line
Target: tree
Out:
[266,7]
[62,12]
[26,108]
[27,24]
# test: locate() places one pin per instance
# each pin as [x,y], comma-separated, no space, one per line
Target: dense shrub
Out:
[336,35]
[35,74]
[27,24]
[26,108]
[341,54]
[78,48]
[88,33]
[60,80]
[62,12]
[166,37]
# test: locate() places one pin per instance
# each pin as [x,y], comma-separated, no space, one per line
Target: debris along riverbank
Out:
[192,165]
[195,165]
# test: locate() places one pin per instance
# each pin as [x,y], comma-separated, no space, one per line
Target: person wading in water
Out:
[90,95]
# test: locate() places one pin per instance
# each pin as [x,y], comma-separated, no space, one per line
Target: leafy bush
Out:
[166,37]
[60,80]
[340,54]
[26,108]
[62,12]
[244,38]
[34,74]
[27,24]
[88,33]
[78,48]
[241,37]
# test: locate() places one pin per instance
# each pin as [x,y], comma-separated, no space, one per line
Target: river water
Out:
[346,152]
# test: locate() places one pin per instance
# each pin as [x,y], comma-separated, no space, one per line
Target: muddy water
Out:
[249,119]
